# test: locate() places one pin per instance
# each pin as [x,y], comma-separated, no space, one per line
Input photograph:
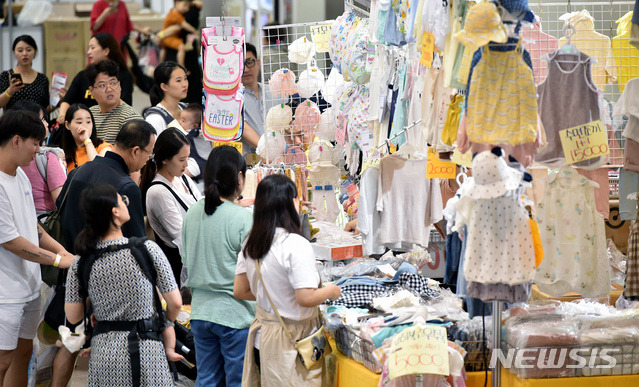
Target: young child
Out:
[191,116]
[176,17]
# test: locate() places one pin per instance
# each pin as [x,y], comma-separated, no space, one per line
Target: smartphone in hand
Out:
[17,76]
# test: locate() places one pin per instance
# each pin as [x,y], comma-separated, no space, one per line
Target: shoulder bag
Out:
[311,349]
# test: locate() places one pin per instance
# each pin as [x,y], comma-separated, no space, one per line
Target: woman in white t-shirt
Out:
[168,193]
[171,86]
[287,265]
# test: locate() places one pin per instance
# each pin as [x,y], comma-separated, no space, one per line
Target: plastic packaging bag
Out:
[34,12]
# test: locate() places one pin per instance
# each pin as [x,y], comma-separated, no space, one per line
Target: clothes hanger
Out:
[463,173]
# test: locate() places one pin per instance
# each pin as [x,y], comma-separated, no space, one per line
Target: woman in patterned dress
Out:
[119,291]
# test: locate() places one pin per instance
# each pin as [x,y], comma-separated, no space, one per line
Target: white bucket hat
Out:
[310,82]
[492,177]
[301,50]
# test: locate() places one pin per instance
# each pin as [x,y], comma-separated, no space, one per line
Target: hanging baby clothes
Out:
[499,256]
[626,56]
[434,103]
[574,238]
[368,218]
[401,107]
[567,98]
[453,115]
[631,288]
[628,105]
[602,193]
[501,103]
[539,44]
[454,51]
[593,44]
[408,202]
[323,179]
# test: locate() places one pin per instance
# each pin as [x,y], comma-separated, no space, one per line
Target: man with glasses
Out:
[111,112]
[253,108]
[133,148]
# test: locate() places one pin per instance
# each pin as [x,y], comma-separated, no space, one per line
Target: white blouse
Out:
[164,212]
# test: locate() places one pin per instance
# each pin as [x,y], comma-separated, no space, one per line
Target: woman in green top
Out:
[212,236]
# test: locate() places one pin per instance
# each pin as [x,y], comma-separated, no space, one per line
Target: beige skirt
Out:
[279,364]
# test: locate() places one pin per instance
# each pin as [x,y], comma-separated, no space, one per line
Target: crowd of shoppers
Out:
[115,179]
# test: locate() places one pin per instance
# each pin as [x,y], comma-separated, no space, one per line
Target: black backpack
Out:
[145,262]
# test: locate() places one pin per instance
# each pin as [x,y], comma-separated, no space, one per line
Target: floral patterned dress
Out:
[574,238]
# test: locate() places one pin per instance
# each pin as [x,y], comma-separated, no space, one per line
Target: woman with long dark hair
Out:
[168,193]
[121,293]
[79,141]
[101,46]
[212,236]
[287,267]
[23,82]
[170,87]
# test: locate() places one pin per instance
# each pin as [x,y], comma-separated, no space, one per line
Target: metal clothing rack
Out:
[387,141]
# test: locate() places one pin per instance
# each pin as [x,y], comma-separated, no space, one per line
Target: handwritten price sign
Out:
[419,350]
[428,47]
[236,145]
[320,35]
[584,142]
[438,169]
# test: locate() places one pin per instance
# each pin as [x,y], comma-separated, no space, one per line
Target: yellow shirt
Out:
[593,44]
[626,56]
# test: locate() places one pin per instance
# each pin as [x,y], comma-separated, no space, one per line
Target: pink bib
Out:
[223,60]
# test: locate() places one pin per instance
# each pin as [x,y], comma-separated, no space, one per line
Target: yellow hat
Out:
[483,25]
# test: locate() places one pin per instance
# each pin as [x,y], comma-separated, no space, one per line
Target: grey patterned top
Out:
[119,291]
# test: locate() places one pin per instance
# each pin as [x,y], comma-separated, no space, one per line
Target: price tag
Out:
[462,159]
[319,35]
[236,145]
[584,142]
[419,350]
[428,47]
[438,169]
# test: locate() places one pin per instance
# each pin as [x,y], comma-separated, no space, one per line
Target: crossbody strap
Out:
[259,274]
[186,208]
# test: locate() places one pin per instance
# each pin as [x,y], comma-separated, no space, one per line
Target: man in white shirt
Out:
[24,245]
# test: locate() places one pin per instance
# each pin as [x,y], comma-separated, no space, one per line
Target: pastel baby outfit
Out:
[574,238]
[282,83]
[502,104]
[568,88]
[499,246]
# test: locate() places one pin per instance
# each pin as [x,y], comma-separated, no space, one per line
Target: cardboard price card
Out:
[236,145]
[584,142]
[421,349]
[319,35]
[428,47]
[438,169]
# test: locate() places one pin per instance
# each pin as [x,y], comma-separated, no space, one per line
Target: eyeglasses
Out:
[250,63]
[151,154]
[103,86]
[125,200]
